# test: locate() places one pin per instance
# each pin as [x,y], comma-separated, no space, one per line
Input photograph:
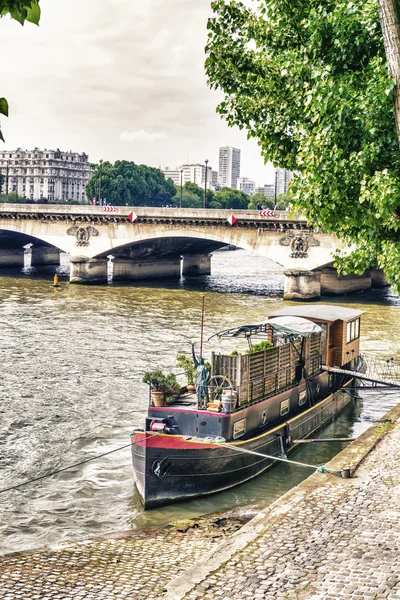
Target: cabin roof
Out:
[322,312]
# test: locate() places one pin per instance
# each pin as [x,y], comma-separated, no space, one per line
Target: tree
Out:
[2,180]
[125,183]
[21,11]
[260,198]
[227,198]
[309,80]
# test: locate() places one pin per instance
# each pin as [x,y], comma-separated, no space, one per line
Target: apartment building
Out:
[228,166]
[45,174]
[194,173]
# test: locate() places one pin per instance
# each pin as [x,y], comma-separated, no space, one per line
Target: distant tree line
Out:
[125,183]
[227,198]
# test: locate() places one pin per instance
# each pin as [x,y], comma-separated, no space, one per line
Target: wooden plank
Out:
[358,375]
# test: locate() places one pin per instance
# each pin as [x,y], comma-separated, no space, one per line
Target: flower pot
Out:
[158,398]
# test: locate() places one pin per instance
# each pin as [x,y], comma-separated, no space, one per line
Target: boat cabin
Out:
[340,343]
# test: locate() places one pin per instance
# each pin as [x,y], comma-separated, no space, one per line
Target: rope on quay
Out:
[317,468]
[78,464]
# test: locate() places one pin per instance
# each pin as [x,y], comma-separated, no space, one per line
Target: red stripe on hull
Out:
[168,441]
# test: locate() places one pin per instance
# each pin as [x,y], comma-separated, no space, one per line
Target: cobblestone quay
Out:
[327,539]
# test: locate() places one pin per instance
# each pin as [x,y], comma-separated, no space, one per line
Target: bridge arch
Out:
[14,246]
[175,242]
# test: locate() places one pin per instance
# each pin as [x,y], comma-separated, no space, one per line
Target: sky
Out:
[117,79]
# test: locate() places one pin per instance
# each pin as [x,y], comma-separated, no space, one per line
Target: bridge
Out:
[149,242]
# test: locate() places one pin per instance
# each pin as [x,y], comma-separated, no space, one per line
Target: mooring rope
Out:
[317,468]
[78,464]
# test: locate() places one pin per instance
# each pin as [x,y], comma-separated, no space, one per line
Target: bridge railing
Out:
[146,211]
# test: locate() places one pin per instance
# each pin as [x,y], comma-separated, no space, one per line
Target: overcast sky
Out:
[118,79]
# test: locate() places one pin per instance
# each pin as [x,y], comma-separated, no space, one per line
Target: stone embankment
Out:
[328,538]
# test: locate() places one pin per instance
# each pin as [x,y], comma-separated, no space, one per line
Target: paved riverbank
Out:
[133,564]
[328,538]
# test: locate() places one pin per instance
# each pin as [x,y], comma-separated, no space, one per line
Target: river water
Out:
[72,360]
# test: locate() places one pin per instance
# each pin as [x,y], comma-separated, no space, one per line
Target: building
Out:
[214,179]
[267,189]
[45,174]
[282,179]
[246,185]
[194,173]
[228,166]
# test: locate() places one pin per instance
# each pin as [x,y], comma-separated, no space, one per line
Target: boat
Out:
[260,402]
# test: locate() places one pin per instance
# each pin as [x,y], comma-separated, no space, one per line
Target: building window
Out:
[285,406]
[353,331]
[239,428]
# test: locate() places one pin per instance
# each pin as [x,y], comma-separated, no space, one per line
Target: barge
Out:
[257,403]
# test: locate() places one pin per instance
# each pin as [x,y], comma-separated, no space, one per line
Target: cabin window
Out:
[285,405]
[239,428]
[353,331]
[302,397]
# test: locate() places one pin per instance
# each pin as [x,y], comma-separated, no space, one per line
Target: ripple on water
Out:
[72,363]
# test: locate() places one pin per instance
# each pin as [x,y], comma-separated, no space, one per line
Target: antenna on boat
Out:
[202,327]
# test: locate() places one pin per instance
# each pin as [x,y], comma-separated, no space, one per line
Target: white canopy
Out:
[294,325]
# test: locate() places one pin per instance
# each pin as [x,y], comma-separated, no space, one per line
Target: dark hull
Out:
[170,468]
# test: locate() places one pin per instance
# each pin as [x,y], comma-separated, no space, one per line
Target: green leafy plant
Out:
[21,11]
[162,382]
[155,379]
[309,81]
[264,345]
[187,365]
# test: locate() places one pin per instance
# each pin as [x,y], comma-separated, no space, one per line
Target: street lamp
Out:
[205,186]
[7,167]
[275,190]
[101,169]
[180,200]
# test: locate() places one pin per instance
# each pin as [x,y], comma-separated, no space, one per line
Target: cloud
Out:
[141,136]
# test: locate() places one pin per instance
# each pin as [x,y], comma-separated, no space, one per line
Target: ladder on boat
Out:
[378,372]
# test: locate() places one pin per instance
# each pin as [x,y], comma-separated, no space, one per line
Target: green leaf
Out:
[33,15]
[1,137]
[3,107]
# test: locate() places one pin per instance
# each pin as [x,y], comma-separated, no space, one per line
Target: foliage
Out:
[126,183]
[193,197]
[21,11]
[230,198]
[2,181]
[13,198]
[264,345]
[187,364]
[161,382]
[282,201]
[308,79]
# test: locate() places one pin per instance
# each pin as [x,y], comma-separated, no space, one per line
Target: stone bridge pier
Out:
[84,270]
[302,284]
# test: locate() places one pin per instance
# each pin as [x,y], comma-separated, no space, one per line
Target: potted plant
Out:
[157,382]
[172,388]
[187,365]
